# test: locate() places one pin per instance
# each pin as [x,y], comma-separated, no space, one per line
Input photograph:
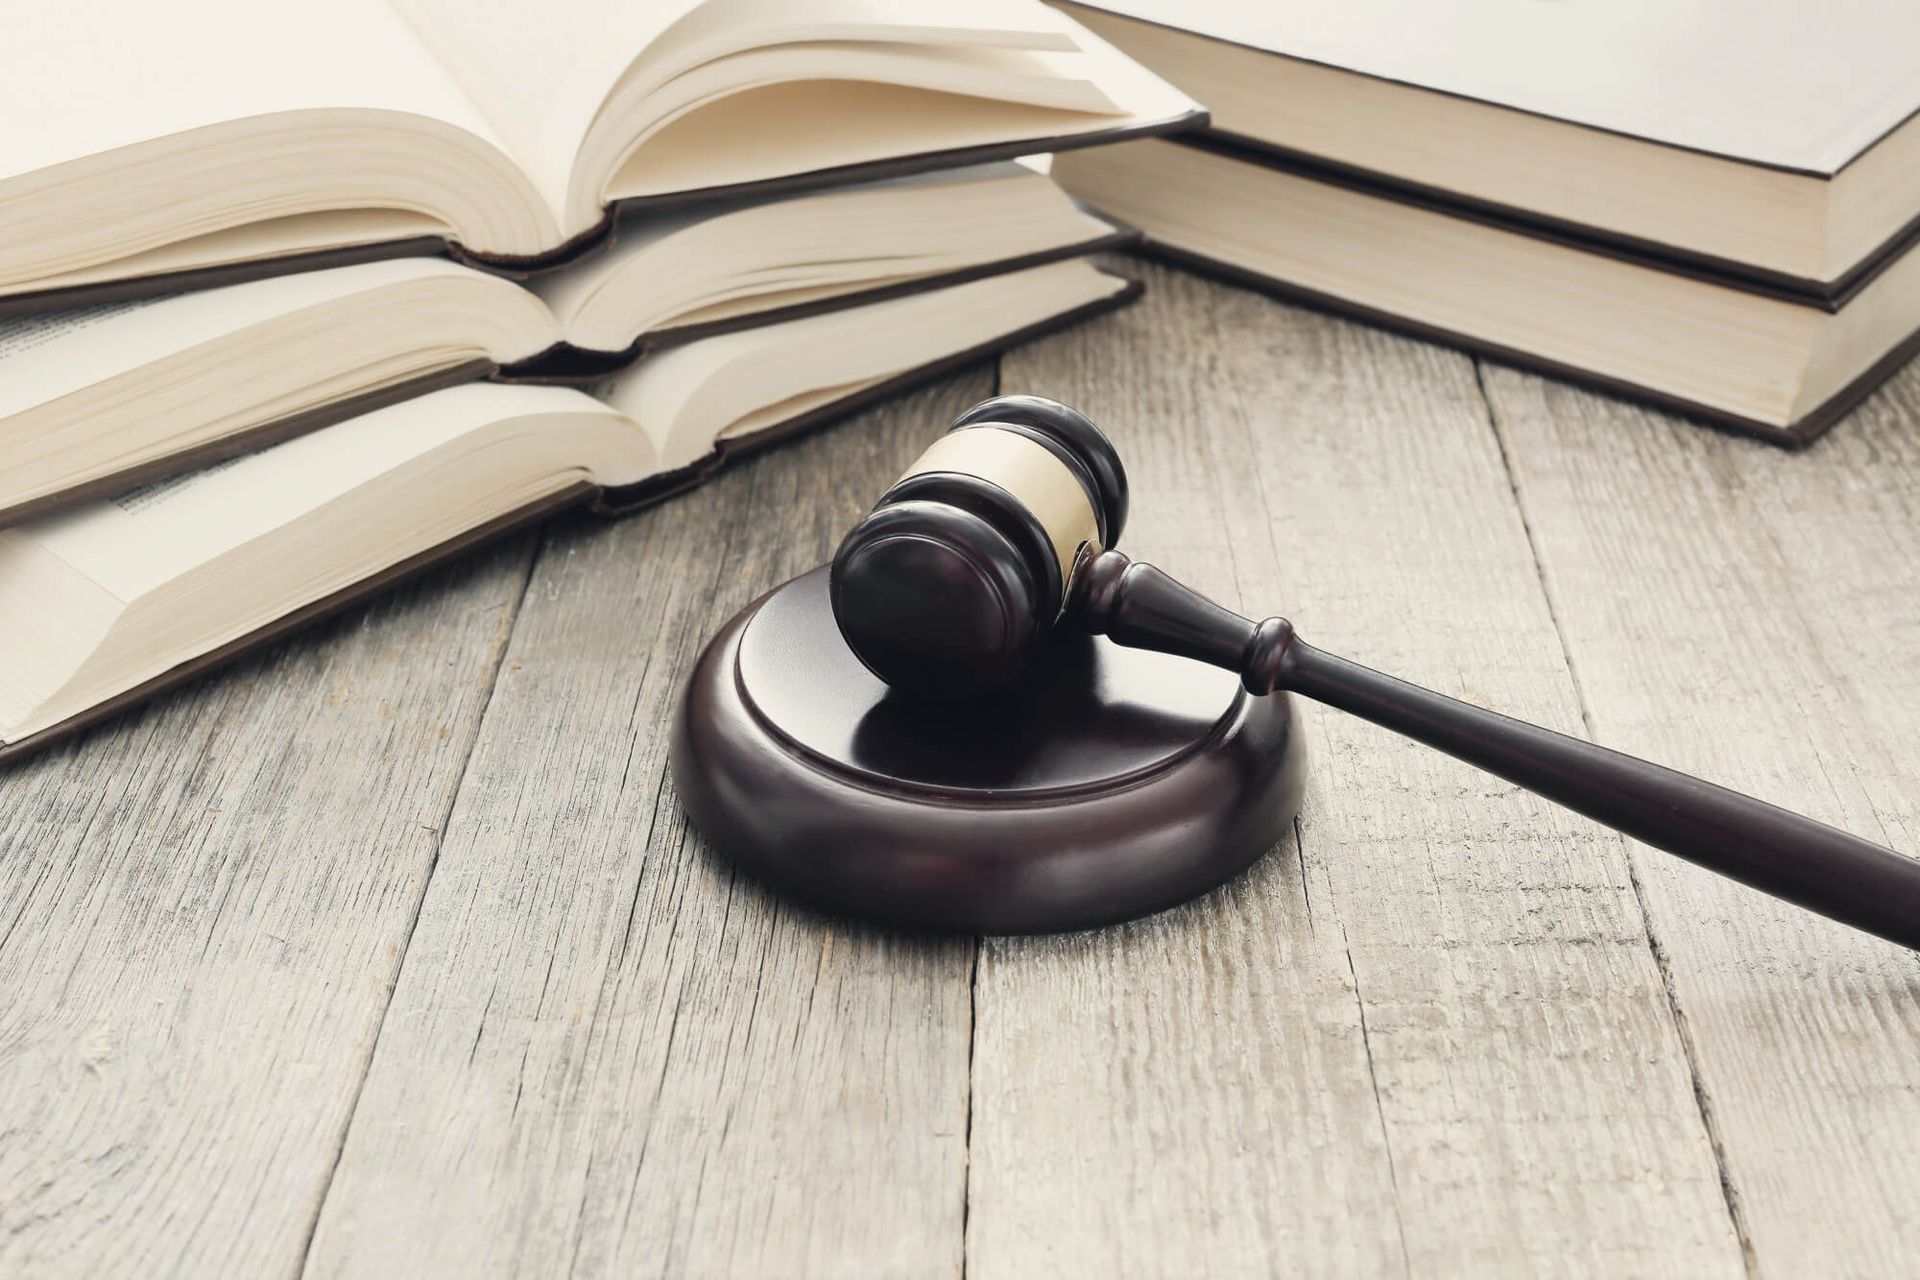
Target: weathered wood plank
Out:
[1444,1047]
[202,910]
[1434,1039]
[1753,616]
[607,1054]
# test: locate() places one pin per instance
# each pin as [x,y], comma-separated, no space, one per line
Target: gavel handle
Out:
[1792,857]
[1819,867]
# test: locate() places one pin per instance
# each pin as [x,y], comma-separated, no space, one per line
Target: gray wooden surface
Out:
[389,952]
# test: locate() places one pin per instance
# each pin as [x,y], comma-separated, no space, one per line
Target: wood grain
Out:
[258,1015]
[1444,1047]
[1753,616]
[202,910]
[608,1054]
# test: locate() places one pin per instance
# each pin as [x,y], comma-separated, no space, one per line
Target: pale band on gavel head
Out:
[965,561]
[1027,470]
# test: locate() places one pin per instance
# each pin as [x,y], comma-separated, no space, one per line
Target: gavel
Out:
[1004,530]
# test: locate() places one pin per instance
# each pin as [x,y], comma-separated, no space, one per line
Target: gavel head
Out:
[960,568]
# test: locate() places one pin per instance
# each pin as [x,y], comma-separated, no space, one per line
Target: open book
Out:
[109,602]
[167,139]
[97,399]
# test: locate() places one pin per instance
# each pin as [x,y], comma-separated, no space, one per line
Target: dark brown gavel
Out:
[1005,528]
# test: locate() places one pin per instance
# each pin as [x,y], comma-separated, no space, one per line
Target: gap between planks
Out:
[1682,1028]
[503,637]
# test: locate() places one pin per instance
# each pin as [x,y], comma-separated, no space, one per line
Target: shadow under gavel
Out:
[1776,851]
[992,541]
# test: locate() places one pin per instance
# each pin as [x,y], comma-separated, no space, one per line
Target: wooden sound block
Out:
[1112,783]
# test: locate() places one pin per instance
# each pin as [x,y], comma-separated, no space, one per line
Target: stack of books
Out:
[294,301]
[1709,206]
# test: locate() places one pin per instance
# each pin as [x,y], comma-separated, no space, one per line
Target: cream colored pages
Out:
[1793,83]
[720,27]
[727,41]
[47,356]
[675,267]
[540,70]
[79,77]
[1051,79]
[144,538]
[543,72]
[802,126]
[688,397]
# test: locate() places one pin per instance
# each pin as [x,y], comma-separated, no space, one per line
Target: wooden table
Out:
[389,953]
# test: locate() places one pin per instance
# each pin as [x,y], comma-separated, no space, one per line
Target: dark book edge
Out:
[560,365]
[917,162]
[1825,295]
[1796,435]
[135,288]
[567,363]
[1775,166]
[608,502]
[593,240]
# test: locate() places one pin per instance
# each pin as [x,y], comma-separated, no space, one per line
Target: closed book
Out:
[1779,368]
[1774,146]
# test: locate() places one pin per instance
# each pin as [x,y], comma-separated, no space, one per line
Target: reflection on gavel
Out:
[1005,529]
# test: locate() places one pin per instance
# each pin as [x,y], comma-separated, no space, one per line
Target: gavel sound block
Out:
[986,718]
[1105,784]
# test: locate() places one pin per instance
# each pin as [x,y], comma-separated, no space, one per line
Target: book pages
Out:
[80,79]
[150,535]
[46,356]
